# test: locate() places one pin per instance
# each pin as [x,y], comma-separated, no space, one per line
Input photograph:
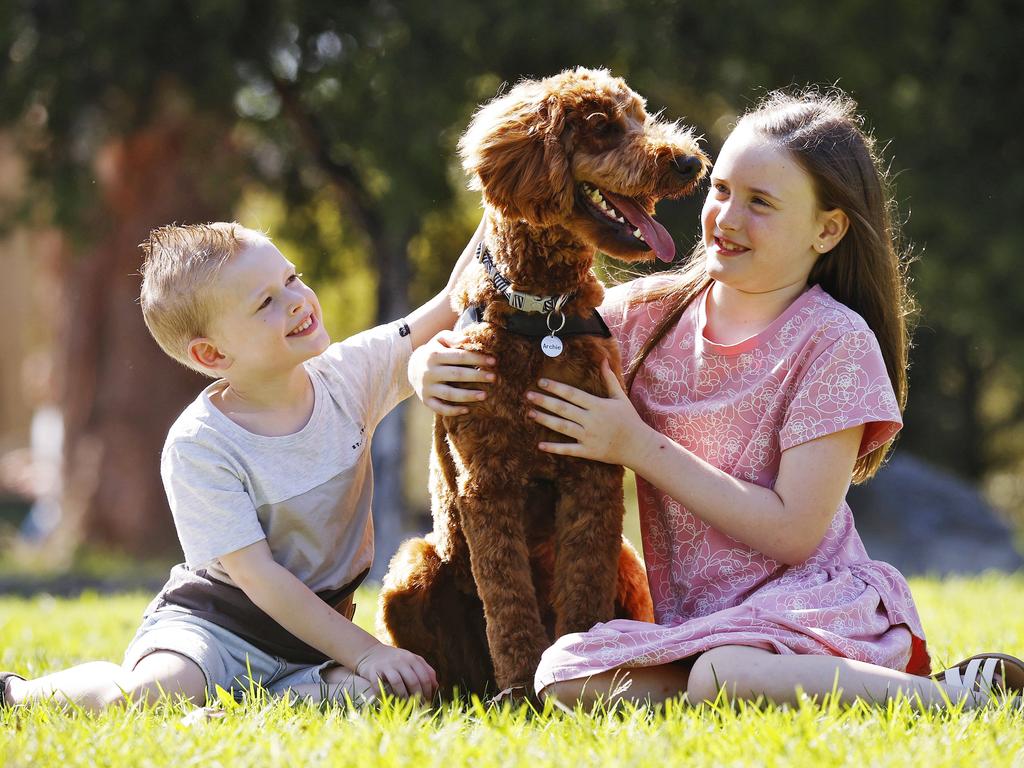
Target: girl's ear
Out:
[205,353]
[832,227]
[516,151]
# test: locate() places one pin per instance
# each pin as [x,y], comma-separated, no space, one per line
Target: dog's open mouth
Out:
[629,219]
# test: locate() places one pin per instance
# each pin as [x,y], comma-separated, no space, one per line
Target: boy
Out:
[269,480]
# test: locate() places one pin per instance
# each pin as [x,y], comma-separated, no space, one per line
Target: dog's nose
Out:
[687,166]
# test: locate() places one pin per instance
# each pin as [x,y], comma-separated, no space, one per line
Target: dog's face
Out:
[579,150]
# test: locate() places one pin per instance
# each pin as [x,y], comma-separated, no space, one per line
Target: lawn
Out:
[961,616]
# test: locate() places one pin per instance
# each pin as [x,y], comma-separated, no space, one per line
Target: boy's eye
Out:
[720,188]
[266,303]
[293,278]
[761,201]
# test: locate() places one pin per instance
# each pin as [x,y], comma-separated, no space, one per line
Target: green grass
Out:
[961,616]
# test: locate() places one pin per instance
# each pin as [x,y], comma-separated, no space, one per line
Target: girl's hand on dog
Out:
[605,428]
[437,365]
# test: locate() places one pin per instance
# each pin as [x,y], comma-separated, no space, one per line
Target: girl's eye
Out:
[266,303]
[293,278]
[761,201]
[720,188]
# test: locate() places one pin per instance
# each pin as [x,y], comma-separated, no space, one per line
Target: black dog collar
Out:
[536,326]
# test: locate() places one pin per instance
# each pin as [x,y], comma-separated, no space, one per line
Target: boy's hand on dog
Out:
[402,672]
[604,428]
[438,365]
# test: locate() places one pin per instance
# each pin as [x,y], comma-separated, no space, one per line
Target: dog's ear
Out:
[516,151]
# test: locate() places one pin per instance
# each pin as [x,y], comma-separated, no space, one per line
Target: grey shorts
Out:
[227,660]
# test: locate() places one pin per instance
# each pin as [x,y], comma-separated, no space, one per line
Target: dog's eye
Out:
[605,128]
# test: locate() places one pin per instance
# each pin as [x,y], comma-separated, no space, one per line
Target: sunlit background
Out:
[333,125]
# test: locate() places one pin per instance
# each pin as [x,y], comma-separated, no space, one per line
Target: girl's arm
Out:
[786,523]
[437,314]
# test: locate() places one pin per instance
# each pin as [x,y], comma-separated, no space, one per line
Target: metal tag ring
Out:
[548,320]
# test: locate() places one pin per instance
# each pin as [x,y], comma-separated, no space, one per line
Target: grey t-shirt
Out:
[308,493]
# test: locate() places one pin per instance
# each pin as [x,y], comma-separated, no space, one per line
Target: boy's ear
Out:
[205,353]
[833,225]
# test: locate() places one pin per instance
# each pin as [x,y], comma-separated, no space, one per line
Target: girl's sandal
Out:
[985,678]
[4,677]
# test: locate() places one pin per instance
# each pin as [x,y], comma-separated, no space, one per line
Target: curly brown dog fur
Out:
[528,546]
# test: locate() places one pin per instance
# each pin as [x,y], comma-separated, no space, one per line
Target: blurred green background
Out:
[332,125]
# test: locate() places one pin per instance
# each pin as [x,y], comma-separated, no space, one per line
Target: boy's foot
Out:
[4,678]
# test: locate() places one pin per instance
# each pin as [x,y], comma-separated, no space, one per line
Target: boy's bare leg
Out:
[98,684]
[642,685]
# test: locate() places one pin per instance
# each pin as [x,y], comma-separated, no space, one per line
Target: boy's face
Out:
[267,321]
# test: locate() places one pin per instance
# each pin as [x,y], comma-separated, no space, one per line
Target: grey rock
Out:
[926,521]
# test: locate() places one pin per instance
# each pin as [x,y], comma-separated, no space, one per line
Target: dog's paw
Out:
[513,695]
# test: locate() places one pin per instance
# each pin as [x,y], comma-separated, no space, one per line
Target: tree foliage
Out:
[355,108]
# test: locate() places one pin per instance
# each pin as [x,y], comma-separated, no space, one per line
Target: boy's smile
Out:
[308,326]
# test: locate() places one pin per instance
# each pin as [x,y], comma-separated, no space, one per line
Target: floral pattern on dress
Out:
[816,370]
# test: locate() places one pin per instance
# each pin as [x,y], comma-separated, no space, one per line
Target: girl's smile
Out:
[727,247]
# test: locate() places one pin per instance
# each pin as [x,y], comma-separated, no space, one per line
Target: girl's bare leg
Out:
[746,673]
[643,684]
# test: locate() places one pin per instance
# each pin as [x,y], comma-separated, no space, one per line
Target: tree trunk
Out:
[120,392]
[388,446]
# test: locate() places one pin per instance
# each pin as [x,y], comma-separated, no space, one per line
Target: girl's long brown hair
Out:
[865,270]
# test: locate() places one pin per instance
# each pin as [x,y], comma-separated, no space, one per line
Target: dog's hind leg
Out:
[422,609]
[633,595]
[588,536]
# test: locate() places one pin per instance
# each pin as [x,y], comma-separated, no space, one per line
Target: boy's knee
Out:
[165,673]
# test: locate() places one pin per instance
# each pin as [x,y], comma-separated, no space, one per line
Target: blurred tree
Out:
[358,105]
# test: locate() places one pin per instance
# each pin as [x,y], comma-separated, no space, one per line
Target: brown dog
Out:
[528,546]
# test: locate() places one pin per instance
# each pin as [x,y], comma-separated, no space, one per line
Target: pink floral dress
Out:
[816,370]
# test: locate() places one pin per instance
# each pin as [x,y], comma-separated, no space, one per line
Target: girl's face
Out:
[763,228]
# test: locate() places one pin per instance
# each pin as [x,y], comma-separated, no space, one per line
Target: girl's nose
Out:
[727,217]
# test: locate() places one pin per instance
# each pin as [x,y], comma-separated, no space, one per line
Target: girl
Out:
[765,375]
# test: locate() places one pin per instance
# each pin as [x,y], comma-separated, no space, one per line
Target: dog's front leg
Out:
[588,530]
[492,523]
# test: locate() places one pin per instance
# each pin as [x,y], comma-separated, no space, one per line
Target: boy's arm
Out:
[437,314]
[294,606]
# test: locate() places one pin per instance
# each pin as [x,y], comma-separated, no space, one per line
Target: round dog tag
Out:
[551,346]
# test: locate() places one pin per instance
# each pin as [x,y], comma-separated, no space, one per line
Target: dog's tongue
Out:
[657,236]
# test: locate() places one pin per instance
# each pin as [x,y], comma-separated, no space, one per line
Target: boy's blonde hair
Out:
[179,272]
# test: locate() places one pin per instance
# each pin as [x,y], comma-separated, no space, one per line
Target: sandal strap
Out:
[977,677]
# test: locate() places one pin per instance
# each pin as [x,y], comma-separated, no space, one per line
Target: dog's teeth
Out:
[620,219]
[638,234]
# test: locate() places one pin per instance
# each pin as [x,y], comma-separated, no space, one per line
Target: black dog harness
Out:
[536,326]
